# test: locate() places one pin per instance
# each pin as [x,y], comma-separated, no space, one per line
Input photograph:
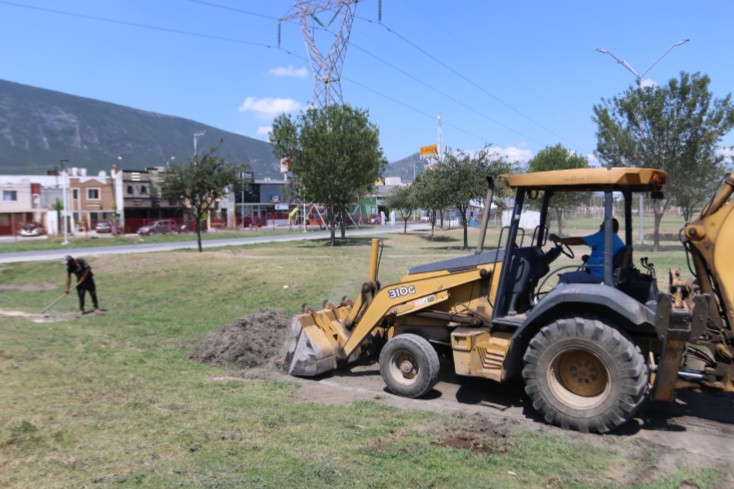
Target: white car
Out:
[32,229]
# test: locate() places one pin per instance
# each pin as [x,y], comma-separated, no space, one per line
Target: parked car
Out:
[161,226]
[103,226]
[32,229]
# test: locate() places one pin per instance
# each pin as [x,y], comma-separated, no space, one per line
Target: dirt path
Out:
[50,317]
[696,431]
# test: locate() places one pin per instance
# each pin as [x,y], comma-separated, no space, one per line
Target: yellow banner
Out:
[429,150]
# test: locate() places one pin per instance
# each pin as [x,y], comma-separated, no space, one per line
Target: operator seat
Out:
[620,262]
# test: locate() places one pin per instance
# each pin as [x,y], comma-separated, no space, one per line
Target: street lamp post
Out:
[242,202]
[64,189]
[119,198]
[639,78]
[246,176]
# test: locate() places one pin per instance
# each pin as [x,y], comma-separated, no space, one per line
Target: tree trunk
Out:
[659,207]
[405,221]
[559,216]
[197,216]
[343,223]
[465,225]
[332,224]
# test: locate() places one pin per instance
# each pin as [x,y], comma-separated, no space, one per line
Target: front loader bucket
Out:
[316,342]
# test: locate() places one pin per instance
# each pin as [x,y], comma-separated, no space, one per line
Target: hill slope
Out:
[407,168]
[38,127]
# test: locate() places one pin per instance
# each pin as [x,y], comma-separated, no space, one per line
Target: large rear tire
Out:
[409,365]
[585,375]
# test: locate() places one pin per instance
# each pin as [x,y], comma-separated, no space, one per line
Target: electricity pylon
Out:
[327,68]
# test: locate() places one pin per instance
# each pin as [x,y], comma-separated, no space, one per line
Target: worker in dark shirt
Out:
[84,283]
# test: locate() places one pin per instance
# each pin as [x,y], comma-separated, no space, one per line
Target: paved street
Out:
[191,244]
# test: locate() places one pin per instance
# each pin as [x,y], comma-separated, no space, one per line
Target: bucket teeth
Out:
[315,342]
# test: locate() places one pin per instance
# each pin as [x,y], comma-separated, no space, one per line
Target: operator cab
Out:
[527,272]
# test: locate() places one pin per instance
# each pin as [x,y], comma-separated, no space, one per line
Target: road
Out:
[23,256]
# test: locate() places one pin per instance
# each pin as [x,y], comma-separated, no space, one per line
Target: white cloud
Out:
[264,130]
[593,160]
[289,71]
[648,83]
[512,153]
[267,108]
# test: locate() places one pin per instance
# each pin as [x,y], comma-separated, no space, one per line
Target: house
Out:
[142,198]
[90,198]
[20,202]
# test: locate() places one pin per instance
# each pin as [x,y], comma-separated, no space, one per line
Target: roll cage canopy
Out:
[592,179]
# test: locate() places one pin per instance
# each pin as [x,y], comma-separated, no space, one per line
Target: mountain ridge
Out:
[40,127]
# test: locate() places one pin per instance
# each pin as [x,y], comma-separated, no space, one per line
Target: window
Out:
[92,194]
[143,189]
[10,195]
[75,194]
[129,189]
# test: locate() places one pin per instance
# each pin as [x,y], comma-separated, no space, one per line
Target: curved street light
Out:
[639,86]
[638,76]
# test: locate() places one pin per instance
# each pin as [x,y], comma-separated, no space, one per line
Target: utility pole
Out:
[197,135]
[326,67]
[65,190]
[639,78]
[440,137]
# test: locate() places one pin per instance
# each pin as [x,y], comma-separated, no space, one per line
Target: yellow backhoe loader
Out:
[589,353]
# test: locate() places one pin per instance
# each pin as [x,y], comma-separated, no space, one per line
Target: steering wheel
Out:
[565,249]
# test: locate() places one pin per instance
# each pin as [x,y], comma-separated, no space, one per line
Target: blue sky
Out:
[519,75]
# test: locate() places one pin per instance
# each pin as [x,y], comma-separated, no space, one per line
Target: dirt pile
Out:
[247,342]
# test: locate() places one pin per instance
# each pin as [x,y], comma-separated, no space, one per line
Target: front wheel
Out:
[583,374]
[409,365]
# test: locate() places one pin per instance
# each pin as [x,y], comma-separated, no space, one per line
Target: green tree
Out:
[199,183]
[431,195]
[465,176]
[403,200]
[559,158]
[676,128]
[335,153]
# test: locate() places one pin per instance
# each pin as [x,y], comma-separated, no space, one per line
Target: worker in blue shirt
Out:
[593,271]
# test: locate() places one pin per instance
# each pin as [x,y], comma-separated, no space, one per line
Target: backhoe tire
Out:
[585,375]
[409,365]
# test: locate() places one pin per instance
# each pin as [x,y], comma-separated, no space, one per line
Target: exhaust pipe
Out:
[487,211]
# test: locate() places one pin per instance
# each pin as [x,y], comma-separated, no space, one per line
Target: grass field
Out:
[113,400]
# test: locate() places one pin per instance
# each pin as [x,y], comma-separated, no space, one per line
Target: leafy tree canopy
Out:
[559,158]
[675,127]
[199,183]
[404,200]
[335,154]
[465,178]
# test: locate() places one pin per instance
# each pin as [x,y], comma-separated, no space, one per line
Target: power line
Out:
[463,77]
[414,109]
[415,46]
[143,26]
[262,45]
[440,92]
[233,9]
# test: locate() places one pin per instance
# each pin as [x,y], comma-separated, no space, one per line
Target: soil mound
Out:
[247,342]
